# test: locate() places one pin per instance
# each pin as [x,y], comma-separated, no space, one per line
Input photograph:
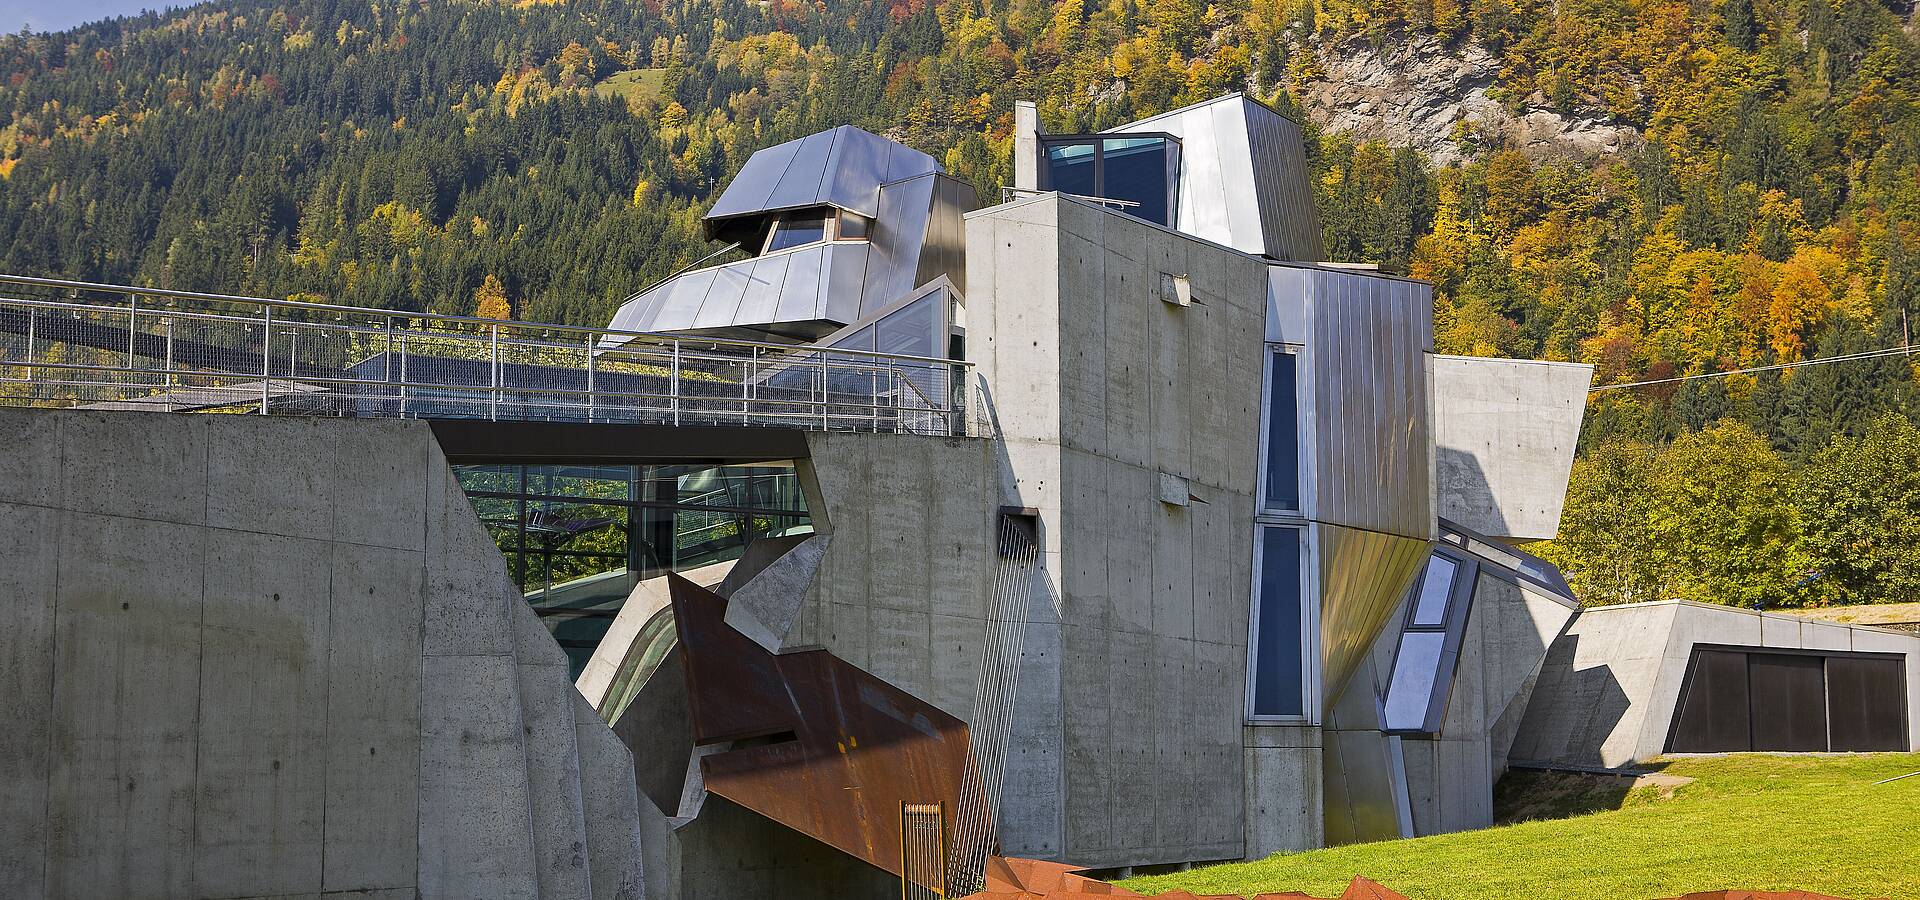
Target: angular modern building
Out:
[1107,524]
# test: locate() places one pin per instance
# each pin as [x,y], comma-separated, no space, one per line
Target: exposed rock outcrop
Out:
[1414,90]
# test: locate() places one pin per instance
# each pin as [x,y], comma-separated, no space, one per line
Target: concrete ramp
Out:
[248,656]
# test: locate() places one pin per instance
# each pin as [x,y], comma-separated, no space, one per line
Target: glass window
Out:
[1070,168]
[1135,169]
[1429,649]
[852,227]
[798,233]
[1278,653]
[1436,585]
[1283,433]
[1139,169]
[578,538]
[1415,668]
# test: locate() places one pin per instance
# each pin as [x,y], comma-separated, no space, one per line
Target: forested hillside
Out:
[404,154]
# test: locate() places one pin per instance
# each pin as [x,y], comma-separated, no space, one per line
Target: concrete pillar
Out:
[1026,145]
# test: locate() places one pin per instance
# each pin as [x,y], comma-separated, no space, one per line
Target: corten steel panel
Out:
[1713,714]
[843,748]
[1363,577]
[1867,703]
[1788,698]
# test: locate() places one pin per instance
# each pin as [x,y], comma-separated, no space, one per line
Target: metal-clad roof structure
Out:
[843,167]
[806,292]
[1228,145]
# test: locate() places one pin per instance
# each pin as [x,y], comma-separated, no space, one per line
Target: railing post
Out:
[590,395]
[403,375]
[169,321]
[493,395]
[266,359]
[133,309]
[673,386]
[746,384]
[826,419]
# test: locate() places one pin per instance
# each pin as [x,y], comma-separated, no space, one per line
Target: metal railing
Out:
[77,344]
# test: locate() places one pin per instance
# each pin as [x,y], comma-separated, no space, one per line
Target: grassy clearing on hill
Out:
[634,84]
[1751,821]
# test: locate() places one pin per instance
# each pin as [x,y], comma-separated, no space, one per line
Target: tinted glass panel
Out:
[1135,169]
[797,232]
[852,227]
[909,330]
[1436,585]
[1070,169]
[1414,669]
[1283,436]
[1277,656]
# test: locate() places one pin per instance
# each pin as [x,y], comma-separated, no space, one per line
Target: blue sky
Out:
[55,15]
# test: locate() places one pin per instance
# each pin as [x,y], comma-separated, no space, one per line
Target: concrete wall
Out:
[1100,389]
[1606,695]
[1505,431]
[254,657]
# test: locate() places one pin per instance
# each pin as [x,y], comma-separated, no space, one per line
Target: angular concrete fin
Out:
[629,844]
[765,608]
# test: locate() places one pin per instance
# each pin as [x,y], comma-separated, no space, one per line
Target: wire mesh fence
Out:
[75,344]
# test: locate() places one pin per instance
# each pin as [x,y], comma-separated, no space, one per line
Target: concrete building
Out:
[1628,683]
[1109,516]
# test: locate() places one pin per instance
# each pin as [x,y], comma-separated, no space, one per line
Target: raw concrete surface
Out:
[1101,390]
[1605,697]
[251,657]
[1504,434]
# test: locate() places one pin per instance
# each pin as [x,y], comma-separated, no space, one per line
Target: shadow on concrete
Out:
[1463,494]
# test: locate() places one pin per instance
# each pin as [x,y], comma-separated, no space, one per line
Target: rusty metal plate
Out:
[831,751]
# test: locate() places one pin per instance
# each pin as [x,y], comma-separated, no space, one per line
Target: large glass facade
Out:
[1277,658]
[1141,171]
[578,538]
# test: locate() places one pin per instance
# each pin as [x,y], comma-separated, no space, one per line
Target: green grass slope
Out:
[1749,821]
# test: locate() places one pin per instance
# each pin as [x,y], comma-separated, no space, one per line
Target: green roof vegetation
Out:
[1747,821]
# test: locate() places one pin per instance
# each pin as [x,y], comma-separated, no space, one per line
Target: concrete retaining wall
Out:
[249,657]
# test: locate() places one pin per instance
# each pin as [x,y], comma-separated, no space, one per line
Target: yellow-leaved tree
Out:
[490,300]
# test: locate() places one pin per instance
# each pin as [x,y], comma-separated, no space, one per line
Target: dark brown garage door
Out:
[1736,699]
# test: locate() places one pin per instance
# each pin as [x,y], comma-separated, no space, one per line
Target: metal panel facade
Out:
[1243,178]
[843,167]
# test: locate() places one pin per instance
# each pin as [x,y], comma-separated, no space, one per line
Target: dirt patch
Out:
[1527,795]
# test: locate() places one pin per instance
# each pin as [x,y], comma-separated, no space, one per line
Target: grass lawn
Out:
[634,84]
[1749,821]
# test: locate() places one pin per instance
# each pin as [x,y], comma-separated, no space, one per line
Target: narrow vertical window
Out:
[1277,655]
[1282,466]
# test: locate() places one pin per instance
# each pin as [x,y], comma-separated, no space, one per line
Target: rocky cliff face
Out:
[1415,92]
